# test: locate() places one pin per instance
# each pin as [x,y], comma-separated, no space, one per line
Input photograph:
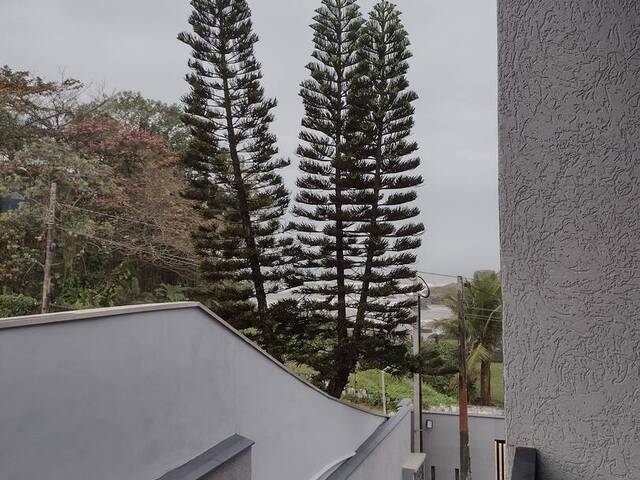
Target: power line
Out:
[484,319]
[124,219]
[469,317]
[490,310]
[438,274]
[160,255]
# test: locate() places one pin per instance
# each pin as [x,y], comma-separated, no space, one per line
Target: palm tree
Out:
[483,316]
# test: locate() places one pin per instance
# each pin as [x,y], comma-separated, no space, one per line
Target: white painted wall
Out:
[134,395]
[387,460]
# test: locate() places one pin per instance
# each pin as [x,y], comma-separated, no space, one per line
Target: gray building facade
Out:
[441,442]
[569,122]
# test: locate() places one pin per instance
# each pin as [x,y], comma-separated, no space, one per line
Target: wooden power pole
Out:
[50,249]
[463,390]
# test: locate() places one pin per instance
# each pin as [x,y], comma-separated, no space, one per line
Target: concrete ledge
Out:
[475,413]
[211,460]
[79,315]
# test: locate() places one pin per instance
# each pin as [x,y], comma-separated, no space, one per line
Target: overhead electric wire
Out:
[123,219]
[161,255]
[438,274]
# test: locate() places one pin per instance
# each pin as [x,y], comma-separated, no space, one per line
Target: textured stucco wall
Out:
[569,108]
[136,395]
[442,444]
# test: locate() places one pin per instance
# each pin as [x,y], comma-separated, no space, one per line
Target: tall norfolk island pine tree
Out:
[387,273]
[354,191]
[234,174]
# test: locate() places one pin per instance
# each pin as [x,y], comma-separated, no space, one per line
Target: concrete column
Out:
[569,112]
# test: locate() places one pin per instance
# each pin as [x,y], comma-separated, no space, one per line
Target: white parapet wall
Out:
[132,393]
[384,454]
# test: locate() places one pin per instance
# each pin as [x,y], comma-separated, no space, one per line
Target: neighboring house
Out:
[172,392]
[441,438]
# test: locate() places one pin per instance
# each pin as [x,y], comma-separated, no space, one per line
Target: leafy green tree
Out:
[440,366]
[82,182]
[20,255]
[122,224]
[32,108]
[133,111]
[232,164]
[483,315]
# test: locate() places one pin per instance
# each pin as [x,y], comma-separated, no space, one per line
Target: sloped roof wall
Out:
[133,393]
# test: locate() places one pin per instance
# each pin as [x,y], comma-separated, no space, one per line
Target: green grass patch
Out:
[397,388]
[497,383]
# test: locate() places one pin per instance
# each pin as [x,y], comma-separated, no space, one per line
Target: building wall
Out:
[384,454]
[134,396]
[569,111]
[238,468]
[442,444]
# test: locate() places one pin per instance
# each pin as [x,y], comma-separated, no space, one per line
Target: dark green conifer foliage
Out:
[357,190]
[388,190]
[232,164]
[323,209]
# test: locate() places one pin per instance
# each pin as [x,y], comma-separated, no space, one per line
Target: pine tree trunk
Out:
[485,382]
[344,353]
[371,246]
[339,381]
[249,234]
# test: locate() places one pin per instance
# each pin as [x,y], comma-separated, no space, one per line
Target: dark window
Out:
[433,472]
[457,474]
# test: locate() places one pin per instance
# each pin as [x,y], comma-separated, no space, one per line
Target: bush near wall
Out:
[16,305]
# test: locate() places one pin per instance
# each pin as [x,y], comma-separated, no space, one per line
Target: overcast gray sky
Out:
[131,45]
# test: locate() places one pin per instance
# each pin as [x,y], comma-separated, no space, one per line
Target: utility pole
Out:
[417,388]
[417,378]
[50,249]
[384,391]
[463,390]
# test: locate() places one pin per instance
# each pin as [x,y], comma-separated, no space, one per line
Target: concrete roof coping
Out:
[210,460]
[77,315]
[414,461]
[83,315]
[476,413]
